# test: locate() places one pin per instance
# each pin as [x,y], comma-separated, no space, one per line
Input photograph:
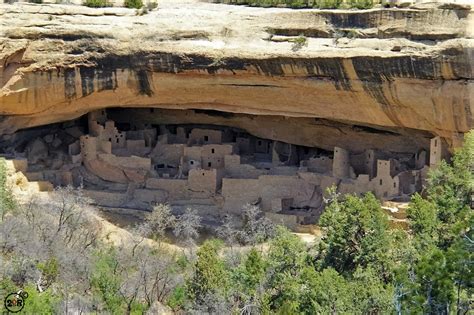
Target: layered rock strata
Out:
[406,71]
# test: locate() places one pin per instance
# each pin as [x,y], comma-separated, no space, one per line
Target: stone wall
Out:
[168,154]
[438,151]
[105,198]
[384,184]
[341,163]
[205,136]
[238,192]
[212,156]
[153,196]
[265,189]
[290,221]
[129,162]
[321,180]
[136,147]
[319,165]
[201,180]
[176,188]
[302,192]
[19,165]
[193,153]
[234,169]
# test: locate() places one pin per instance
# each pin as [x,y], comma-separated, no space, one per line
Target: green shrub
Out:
[299,43]
[177,298]
[40,303]
[133,4]
[7,200]
[361,4]
[328,4]
[152,5]
[96,3]
[297,4]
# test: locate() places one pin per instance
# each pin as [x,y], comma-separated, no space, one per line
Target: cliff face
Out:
[396,72]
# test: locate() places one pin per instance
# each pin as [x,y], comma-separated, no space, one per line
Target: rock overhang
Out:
[414,78]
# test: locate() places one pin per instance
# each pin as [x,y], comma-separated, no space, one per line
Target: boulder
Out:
[37,150]
[106,171]
[56,142]
[48,138]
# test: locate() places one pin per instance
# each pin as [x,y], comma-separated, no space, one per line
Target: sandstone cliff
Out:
[403,74]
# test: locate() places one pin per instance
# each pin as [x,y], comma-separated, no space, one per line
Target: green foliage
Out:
[36,303]
[299,4]
[361,266]
[441,280]
[434,288]
[133,4]
[423,219]
[96,3]
[177,298]
[361,4]
[461,257]
[356,235]
[138,308]
[299,43]
[7,201]
[106,281]
[326,292]
[445,213]
[370,295]
[7,286]
[50,270]
[249,274]
[254,268]
[40,303]
[449,190]
[327,4]
[287,252]
[287,258]
[210,275]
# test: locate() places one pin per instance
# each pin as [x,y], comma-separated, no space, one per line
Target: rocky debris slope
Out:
[402,71]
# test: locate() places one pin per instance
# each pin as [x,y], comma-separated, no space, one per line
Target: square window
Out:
[206,138]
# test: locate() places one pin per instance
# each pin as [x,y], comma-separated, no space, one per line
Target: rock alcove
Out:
[217,162]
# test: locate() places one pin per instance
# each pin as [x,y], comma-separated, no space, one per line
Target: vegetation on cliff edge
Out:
[299,4]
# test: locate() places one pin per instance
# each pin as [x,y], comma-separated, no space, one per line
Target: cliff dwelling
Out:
[237,156]
[218,162]
[215,117]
